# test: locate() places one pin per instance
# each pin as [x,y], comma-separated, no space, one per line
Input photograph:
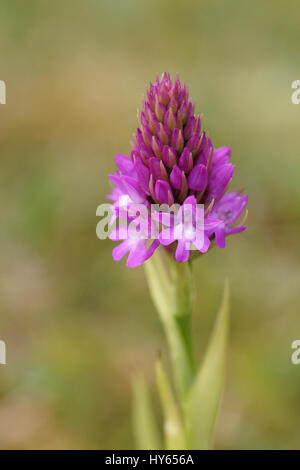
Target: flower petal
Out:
[182,253]
[158,169]
[119,233]
[139,253]
[163,192]
[143,175]
[132,188]
[220,236]
[219,180]
[186,160]
[125,164]
[176,177]
[221,156]
[121,250]
[197,179]
[203,244]
[166,236]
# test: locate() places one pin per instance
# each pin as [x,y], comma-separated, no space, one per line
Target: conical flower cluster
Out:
[173,161]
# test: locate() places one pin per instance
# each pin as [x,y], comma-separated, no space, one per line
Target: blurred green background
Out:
[77,325]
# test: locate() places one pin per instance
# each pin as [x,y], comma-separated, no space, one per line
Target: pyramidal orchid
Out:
[173,160]
[170,203]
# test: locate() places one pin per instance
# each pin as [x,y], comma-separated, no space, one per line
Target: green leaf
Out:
[204,399]
[173,425]
[146,432]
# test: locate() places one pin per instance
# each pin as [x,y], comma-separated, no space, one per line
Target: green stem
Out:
[172,290]
[179,330]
